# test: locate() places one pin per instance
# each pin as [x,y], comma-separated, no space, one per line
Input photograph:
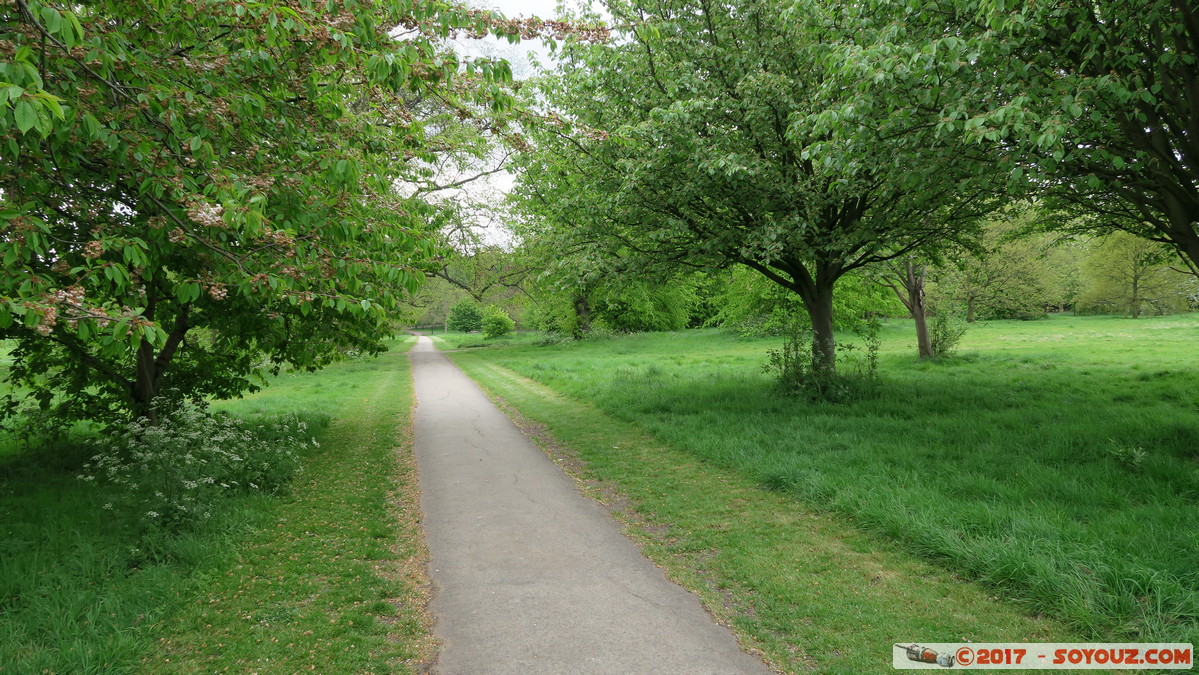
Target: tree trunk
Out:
[1136,300]
[1181,216]
[582,316]
[912,276]
[145,383]
[149,367]
[923,344]
[970,310]
[824,345]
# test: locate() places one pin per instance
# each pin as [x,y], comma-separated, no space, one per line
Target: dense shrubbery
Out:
[496,322]
[630,306]
[171,473]
[465,317]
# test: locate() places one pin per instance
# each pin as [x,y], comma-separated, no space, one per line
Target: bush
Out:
[944,334]
[465,317]
[171,474]
[496,322]
[856,378]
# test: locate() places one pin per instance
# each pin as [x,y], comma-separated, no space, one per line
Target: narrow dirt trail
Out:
[530,576]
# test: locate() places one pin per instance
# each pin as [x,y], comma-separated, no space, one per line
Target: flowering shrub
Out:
[172,472]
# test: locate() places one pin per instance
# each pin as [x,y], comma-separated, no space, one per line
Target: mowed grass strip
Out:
[809,592]
[334,582]
[1055,461]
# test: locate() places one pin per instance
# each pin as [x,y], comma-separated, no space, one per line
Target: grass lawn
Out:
[1055,462]
[326,577]
[455,340]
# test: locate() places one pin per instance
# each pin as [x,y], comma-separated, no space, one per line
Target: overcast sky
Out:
[545,9]
[494,186]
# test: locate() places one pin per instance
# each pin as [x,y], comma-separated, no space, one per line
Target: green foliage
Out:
[637,306]
[619,303]
[171,474]
[465,317]
[496,322]
[1015,273]
[1126,274]
[945,332]
[754,306]
[672,144]
[1086,103]
[208,192]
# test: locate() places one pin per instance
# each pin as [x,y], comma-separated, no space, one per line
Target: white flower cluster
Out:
[175,470]
[208,215]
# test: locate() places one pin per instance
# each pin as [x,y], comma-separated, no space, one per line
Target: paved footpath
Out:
[530,576]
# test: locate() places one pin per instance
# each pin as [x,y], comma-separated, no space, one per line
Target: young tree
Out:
[200,188]
[1131,275]
[907,278]
[465,317]
[713,134]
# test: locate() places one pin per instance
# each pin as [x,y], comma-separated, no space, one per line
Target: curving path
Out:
[530,576]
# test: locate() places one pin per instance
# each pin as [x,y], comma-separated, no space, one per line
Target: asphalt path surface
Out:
[529,575]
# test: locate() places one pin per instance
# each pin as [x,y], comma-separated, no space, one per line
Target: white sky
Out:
[495,186]
[514,53]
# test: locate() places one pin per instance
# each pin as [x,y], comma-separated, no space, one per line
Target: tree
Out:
[714,134]
[203,188]
[465,317]
[1131,275]
[907,278]
[1014,273]
[496,322]
[1092,101]
[576,294]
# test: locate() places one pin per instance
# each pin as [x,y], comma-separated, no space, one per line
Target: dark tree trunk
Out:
[582,316]
[1180,227]
[150,366]
[970,310]
[819,303]
[145,383]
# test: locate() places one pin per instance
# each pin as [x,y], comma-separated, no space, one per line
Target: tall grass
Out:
[1055,460]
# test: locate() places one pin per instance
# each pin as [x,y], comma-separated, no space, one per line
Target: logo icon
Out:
[925,655]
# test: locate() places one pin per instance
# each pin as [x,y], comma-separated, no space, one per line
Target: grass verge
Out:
[451,340]
[327,577]
[335,582]
[807,591]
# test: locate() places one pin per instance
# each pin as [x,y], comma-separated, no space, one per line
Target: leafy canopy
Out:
[713,134]
[1092,103]
[193,191]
